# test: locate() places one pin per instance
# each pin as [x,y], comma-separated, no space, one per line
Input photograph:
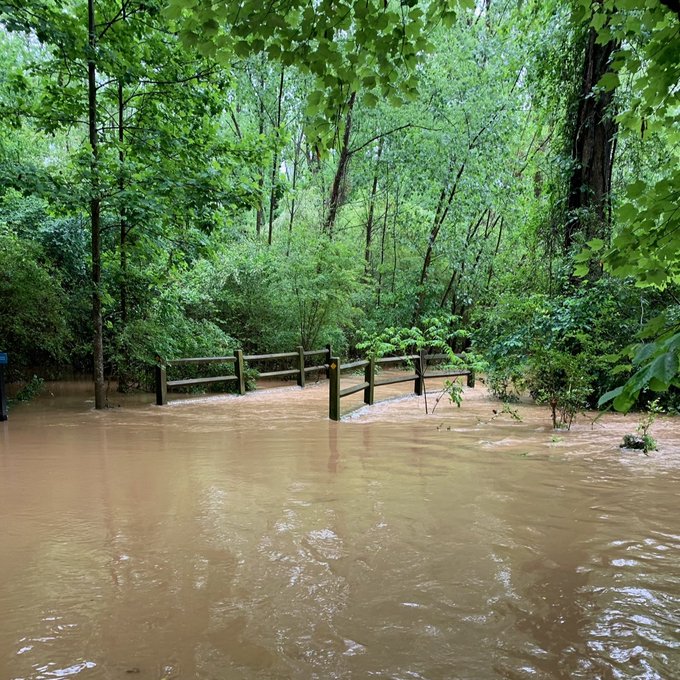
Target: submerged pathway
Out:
[250,537]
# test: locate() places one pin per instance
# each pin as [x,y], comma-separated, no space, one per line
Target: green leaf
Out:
[664,368]
[608,396]
[609,81]
[370,99]
[636,188]
[596,244]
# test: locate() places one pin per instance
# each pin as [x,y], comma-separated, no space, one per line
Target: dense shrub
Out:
[564,348]
[33,313]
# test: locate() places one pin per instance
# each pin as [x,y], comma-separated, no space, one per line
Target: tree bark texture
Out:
[95,218]
[122,211]
[592,150]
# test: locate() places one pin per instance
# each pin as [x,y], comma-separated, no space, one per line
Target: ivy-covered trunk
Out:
[593,146]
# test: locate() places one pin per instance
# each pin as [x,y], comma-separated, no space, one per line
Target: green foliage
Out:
[30,390]
[346,46]
[314,286]
[168,333]
[655,366]
[33,313]
[647,243]
[643,439]
[436,333]
[564,348]
[506,381]
[453,390]
[645,442]
[449,204]
[561,381]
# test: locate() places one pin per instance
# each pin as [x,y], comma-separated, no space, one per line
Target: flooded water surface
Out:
[250,537]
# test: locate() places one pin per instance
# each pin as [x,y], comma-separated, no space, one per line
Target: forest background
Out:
[184,178]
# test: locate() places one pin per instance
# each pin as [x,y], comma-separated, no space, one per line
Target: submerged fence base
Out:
[419,361]
[332,367]
[239,369]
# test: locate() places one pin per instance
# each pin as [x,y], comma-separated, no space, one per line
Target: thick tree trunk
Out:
[95,221]
[336,190]
[592,150]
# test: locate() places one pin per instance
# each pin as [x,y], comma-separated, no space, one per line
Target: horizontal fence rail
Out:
[200,360]
[240,361]
[419,362]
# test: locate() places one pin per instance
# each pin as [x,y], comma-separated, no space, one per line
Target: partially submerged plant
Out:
[455,392]
[30,390]
[506,410]
[560,380]
[643,440]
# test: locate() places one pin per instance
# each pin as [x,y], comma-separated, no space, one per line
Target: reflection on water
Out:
[252,538]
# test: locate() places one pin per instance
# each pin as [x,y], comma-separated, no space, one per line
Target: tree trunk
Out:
[122,211]
[592,150]
[340,172]
[383,235]
[446,197]
[371,209]
[275,170]
[95,221]
[259,216]
[394,238]
[296,161]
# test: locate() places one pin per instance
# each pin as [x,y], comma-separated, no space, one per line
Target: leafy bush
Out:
[563,348]
[168,332]
[30,390]
[561,381]
[34,312]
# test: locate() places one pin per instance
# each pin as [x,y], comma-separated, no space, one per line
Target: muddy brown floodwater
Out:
[250,537]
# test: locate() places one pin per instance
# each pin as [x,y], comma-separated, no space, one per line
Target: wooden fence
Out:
[418,361]
[239,360]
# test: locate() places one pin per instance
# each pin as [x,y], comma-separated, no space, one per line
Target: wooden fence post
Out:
[301,366]
[161,384]
[239,371]
[471,379]
[421,365]
[334,388]
[329,357]
[369,377]
[3,394]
